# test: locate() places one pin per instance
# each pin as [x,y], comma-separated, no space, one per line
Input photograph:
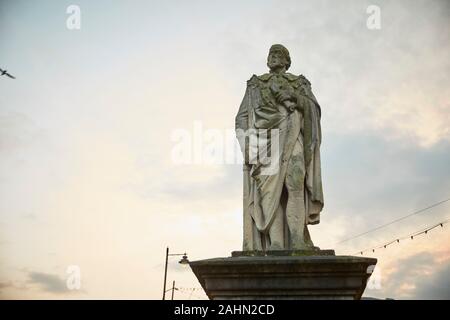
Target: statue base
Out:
[301,274]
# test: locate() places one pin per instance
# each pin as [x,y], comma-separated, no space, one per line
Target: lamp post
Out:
[173,288]
[183,260]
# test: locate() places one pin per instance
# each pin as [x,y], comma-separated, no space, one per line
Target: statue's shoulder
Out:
[265,77]
[254,81]
[291,77]
[297,78]
[297,81]
[304,81]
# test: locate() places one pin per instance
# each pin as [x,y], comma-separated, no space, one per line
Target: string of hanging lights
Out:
[410,236]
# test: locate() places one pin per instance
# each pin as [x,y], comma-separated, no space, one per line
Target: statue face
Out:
[276,59]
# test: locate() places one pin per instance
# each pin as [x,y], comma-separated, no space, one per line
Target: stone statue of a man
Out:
[279,206]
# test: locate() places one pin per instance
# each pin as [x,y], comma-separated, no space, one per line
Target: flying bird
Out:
[5,73]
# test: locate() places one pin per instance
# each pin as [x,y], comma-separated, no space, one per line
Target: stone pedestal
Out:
[316,274]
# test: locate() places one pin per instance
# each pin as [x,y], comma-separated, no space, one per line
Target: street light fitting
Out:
[184,260]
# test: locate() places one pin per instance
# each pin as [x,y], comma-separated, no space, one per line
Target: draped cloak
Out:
[263,192]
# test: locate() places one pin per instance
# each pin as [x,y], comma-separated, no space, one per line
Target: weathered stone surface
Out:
[282,193]
[309,252]
[284,277]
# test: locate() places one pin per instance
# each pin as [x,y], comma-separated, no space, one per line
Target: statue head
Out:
[278,58]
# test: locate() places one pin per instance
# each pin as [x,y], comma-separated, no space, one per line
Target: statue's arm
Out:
[241,119]
[241,123]
[304,96]
[307,91]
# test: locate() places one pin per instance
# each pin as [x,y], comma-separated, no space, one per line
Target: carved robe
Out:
[264,193]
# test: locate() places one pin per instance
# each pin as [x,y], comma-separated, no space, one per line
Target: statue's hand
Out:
[282,96]
[285,94]
[291,106]
[302,101]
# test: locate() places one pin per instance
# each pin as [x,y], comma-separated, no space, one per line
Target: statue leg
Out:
[276,231]
[248,243]
[296,209]
[308,239]
[295,216]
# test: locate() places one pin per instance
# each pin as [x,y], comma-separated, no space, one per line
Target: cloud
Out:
[420,276]
[436,286]
[30,216]
[6,284]
[369,181]
[48,282]
[17,130]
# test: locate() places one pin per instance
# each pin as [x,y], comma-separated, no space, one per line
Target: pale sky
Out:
[86,172]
